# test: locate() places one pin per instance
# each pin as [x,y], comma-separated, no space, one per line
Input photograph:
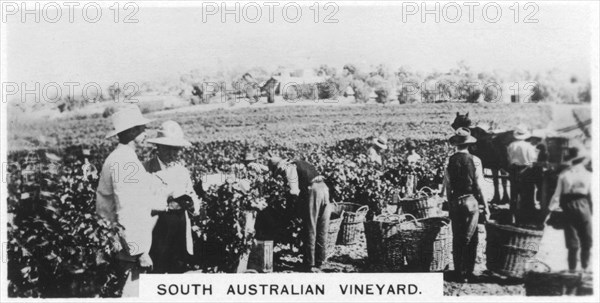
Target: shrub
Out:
[108,111]
[361,90]
[58,246]
[329,89]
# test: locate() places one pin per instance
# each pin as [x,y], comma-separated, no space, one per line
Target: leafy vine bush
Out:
[58,246]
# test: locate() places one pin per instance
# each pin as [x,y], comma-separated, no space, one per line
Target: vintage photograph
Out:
[258,138]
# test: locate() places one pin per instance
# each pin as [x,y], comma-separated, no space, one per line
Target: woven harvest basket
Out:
[354,216]
[586,287]
[424,246]
[510,248]
[548,283]
[332,234]
[420,206]
[381,228]
[436,251]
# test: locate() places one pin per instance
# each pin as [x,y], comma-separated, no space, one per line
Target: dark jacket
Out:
[306,173]
[463,178]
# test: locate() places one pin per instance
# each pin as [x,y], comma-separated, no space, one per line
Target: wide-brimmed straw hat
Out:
[126,118]
[170,134]
[381,142]
[462,136]
[249,157]
[521,132]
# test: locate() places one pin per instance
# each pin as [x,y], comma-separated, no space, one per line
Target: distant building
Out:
[289,79]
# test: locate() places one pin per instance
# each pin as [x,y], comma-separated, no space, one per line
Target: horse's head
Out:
[461,121]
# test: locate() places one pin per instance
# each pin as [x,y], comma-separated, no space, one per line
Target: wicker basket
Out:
[420,206]
[586,287]
[381,228]
[424,246]
[354,216]
[332,234]
[510,248]
[548,283]
[556,220]
[437,246]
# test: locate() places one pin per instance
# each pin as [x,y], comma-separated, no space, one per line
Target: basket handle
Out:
[547,267]
[422,190]
[445,222]
[362,209]
[409,215]
[390,218]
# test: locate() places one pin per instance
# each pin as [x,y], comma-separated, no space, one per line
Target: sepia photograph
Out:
[308,151]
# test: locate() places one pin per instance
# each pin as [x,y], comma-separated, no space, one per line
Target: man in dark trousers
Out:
[573,197]
[464,174]
[309,196]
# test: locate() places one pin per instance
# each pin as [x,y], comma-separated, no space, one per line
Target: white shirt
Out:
[187,189]
[291,174]
[374,156]
[126,194]
[522,153]
[573,180]
[413,158]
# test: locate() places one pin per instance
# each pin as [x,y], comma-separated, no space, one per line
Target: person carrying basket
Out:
[572,197]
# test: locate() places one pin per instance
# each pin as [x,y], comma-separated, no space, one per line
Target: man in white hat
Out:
[126,194]
[462,181]
[172,243]
[521,157]
[378,145]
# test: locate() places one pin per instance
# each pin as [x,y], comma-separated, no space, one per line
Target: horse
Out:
[491,148]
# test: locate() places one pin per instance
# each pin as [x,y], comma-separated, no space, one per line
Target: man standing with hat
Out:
[309,196]
[464,175]
[572,196]
[126,194]
[521,157]
[378,145]
[172,243]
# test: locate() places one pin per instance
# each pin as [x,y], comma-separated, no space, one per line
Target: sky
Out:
[167,41]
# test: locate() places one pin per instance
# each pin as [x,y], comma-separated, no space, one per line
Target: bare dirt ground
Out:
[353,258]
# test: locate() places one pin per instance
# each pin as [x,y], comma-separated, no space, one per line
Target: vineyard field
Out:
[290,125]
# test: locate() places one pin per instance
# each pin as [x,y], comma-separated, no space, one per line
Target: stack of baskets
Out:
[425,245]
[354,216]
[334,228]
[421,206]
[510,248]
[548,283]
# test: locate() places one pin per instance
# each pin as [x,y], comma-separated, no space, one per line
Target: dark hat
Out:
[573,155]
[462,136]
[410,144]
